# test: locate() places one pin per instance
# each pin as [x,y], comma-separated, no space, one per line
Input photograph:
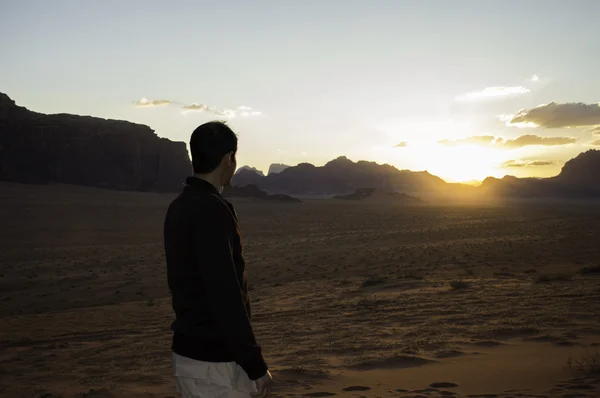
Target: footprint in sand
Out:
[356,388]
[443,384]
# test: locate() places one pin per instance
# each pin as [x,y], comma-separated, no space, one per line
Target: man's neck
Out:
[214,180]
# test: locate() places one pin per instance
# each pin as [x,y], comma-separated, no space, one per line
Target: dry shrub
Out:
[590,270]
[373,281]
[587,364]
[459,285]
[553,278]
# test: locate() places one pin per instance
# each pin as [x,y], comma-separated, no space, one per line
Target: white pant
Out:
[199,379]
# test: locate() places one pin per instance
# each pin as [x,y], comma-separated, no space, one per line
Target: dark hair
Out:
[209,143]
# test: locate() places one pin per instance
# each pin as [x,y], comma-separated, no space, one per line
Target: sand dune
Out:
[350,299]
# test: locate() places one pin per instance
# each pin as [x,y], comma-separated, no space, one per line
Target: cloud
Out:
[535,78]
[520,163]
[507,118]
[595,130]
[230,113]
[475,140]
[595,143]
[403,144]
[492,92]
[146,103]
[499,142]
[244,111]
[530,139]
[554,115]
[196,108]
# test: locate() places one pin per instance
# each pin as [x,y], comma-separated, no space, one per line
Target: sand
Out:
[350,299]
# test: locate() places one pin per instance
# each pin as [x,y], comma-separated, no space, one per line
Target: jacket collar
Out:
[198,183]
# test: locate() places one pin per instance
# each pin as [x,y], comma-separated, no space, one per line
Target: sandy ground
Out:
[350,299]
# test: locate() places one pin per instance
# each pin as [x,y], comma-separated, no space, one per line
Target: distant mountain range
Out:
[83,150]
[579,178]
[341,176]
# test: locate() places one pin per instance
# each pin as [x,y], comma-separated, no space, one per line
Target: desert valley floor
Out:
[350,299]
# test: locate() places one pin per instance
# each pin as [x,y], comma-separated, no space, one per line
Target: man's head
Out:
[213,146]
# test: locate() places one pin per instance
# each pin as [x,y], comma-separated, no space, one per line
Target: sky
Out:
[462,89]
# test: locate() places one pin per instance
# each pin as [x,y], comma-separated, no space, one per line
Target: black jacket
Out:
[207,279]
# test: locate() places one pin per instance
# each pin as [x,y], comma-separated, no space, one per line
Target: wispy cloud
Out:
[475,140]
[403,144]
[535,78]
[595,130]
[499,142]
[246,111]
[493,92]
[521,163]
[507,119]
[243,111]
[595,143]
[146,103]
[530,139]
[555,115]
[196,108]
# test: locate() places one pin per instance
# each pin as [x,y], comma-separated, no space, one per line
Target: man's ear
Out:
[228,159]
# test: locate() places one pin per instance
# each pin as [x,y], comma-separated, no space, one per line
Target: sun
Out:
[462,163]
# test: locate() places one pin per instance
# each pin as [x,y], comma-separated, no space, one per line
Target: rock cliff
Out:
[83,150]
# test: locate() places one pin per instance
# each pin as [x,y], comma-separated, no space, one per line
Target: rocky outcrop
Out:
[252,192]
[578,179]
[244,177]
[254,169]
[83,150]
[277,168]
[580,175]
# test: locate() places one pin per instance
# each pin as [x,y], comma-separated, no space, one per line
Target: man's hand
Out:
[263,385]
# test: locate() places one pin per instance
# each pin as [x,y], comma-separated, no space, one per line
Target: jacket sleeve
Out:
[213,247]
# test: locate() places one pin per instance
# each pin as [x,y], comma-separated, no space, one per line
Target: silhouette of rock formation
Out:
[339,177]
[277,168]
[83,150]
[579,178]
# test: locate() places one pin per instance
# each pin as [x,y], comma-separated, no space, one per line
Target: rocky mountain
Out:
[339,177]
[277,168]
[254,169]
[579,178]
[244,177]
[84,150]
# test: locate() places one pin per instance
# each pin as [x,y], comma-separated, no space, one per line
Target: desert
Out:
[351,299]
[353,199]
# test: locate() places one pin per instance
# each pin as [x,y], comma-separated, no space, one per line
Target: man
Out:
[215,353]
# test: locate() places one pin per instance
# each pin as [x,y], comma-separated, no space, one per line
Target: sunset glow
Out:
[392,82]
